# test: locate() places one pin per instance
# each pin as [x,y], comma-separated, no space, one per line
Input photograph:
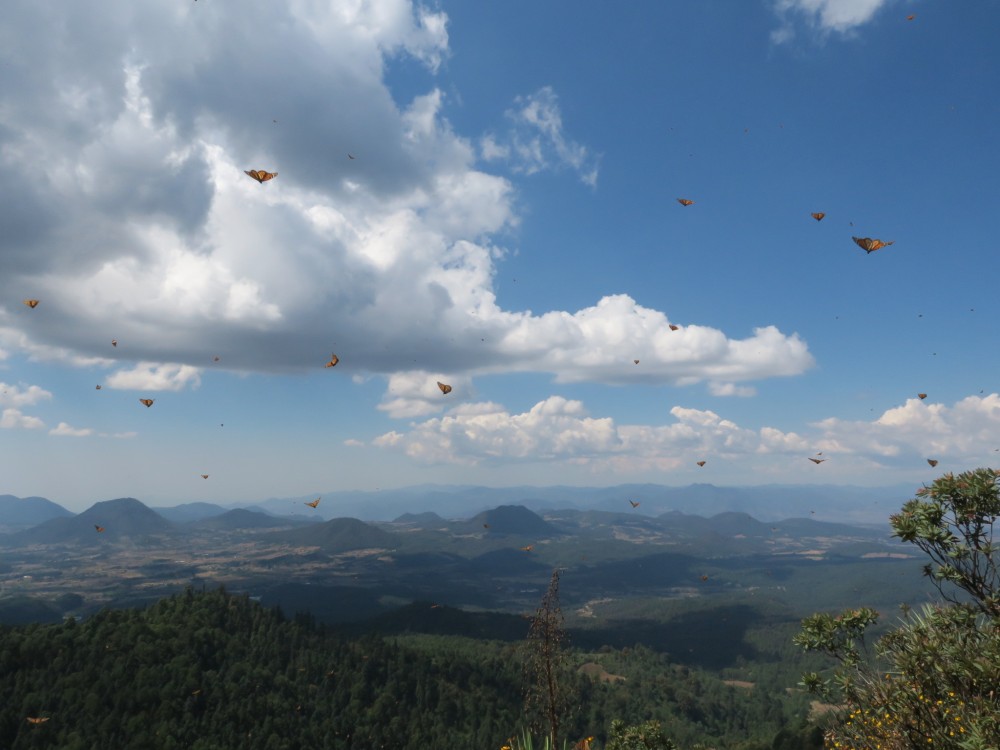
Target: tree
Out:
[932,681]
[547,698]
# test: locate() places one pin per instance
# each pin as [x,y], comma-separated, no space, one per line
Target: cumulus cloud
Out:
[826,15]
[416,393]
[13,395]
[536,140]
[148,376]
[12,419]
[65,430]
[134,220]
[558,429]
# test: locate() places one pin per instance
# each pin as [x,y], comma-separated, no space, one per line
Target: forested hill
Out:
[204,671]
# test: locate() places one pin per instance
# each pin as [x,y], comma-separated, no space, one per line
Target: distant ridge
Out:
[190,512]
[427,518]
[338,535]
[515,520]
[125,517]
[19,513]
[241,518]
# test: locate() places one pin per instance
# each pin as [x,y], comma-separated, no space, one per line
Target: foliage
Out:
[647,736]
[930,682]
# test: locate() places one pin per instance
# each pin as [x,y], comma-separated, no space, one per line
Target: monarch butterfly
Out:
[910,18]
[99,528]
[114,342]
[334,359]
[932,462]
[704,578]
[261,175]
[97,387]
[685,202]
[32,303]
[634,503]
[817,460]
[37,719]
[204,476]
[701,463]
[869,245]
[921,396]
[216,359]
[818,216]
[445,388]
[635,361]
[528,548]
[351,156]
[674,328]
[314,503]
[147,402]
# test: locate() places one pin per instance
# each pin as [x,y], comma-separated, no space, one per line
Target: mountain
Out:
[426,519]
[338,535]
[868,505]
[19,513]
[188,512]
[241,518]
[515,520]
[122,518]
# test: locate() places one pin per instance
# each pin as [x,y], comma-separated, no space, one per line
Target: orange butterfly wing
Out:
[921,396]
[334,359]
[818,216]
[260,175]
[99,528]
[701,463]
[37,719]
[445,388]
[932,462]
[32,303]
[147,402]
[674,328]
[314,503]
[685,202]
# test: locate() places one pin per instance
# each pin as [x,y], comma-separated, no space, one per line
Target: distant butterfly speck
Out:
[32,303]
[99,528]
[314,503]
[921,396]
[818,216]
[204,476]
[634,503]
[817,460]
[445,388]
[334,359]
[114,342]
[932,461]
[147,402]
[685,202]
[701,463]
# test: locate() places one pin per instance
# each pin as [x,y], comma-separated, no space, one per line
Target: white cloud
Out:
[12,395]
[840,16]
[66,430]
[141,226]
[416,393]
[12,419]
[561,430]
[537,141]
[148,376]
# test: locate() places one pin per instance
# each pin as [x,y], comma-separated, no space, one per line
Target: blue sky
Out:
[510,226]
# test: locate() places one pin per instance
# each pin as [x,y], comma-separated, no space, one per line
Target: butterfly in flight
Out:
[204,476]
[921,396]
[32,303]
[114,342]
[260,175]
[869,245]
[334,359]
[932,461]
[910,18]
[314,503]
[634,503]
[445,388]
[97,387]
[701,463]
[37,719]
[817,460]
[704,578]
[635,361]
[818,216]
[216,359]
[486,525]
[528,548]
[351,157]
[99,528]
[147,402]
[685,202]
[674,328]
